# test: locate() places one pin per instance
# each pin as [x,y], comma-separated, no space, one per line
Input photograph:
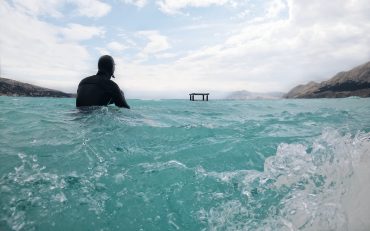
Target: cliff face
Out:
[355,82]
[10,87]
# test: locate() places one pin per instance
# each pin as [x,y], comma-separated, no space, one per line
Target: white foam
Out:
[356,201]
[163,165]
[324,186]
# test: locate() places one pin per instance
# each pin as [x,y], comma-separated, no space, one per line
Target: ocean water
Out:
[181,165]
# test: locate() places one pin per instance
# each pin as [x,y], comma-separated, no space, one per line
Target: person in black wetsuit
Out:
[99,90]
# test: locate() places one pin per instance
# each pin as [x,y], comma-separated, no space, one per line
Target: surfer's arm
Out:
[119,97]
[122,101]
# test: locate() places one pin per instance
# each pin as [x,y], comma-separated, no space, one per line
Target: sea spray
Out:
[319,187]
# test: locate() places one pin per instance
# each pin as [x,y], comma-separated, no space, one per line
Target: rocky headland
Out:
[10,87]
[355,82]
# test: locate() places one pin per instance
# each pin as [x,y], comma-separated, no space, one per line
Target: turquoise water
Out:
[181,165]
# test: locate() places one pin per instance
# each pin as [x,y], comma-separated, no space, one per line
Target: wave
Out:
[322,186]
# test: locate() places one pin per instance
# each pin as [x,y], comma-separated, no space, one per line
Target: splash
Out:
[323,186]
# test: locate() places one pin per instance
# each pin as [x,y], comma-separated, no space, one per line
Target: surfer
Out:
[99,89]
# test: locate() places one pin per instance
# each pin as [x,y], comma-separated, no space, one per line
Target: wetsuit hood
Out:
[106,65]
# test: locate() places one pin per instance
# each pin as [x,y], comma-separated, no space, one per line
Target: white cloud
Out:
[102,51]
[275,8]
[166,55]
[77,32]
[32,51]
[243,14]
[174,6]
[138,3]
[36,7]
[156,43]
[280,54]
[116,46]
[92,8]
[88,8]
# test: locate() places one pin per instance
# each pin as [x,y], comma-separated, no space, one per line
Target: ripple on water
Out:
[177,165]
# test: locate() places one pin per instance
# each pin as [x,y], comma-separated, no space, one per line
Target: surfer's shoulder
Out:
[89,79]
[113,84]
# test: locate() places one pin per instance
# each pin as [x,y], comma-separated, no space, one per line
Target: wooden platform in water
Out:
[204,96]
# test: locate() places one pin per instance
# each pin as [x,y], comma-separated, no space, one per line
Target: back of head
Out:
[106,65]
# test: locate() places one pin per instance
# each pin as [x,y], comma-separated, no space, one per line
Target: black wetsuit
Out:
[97,90]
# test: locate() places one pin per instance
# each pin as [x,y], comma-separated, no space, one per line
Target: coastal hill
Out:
[10,87]
[246,95]
[355,82]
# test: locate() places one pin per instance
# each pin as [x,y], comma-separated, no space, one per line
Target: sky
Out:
[170,48]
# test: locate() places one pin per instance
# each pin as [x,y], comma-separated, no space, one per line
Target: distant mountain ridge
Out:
[355,82]
[246,95]
[11,87]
